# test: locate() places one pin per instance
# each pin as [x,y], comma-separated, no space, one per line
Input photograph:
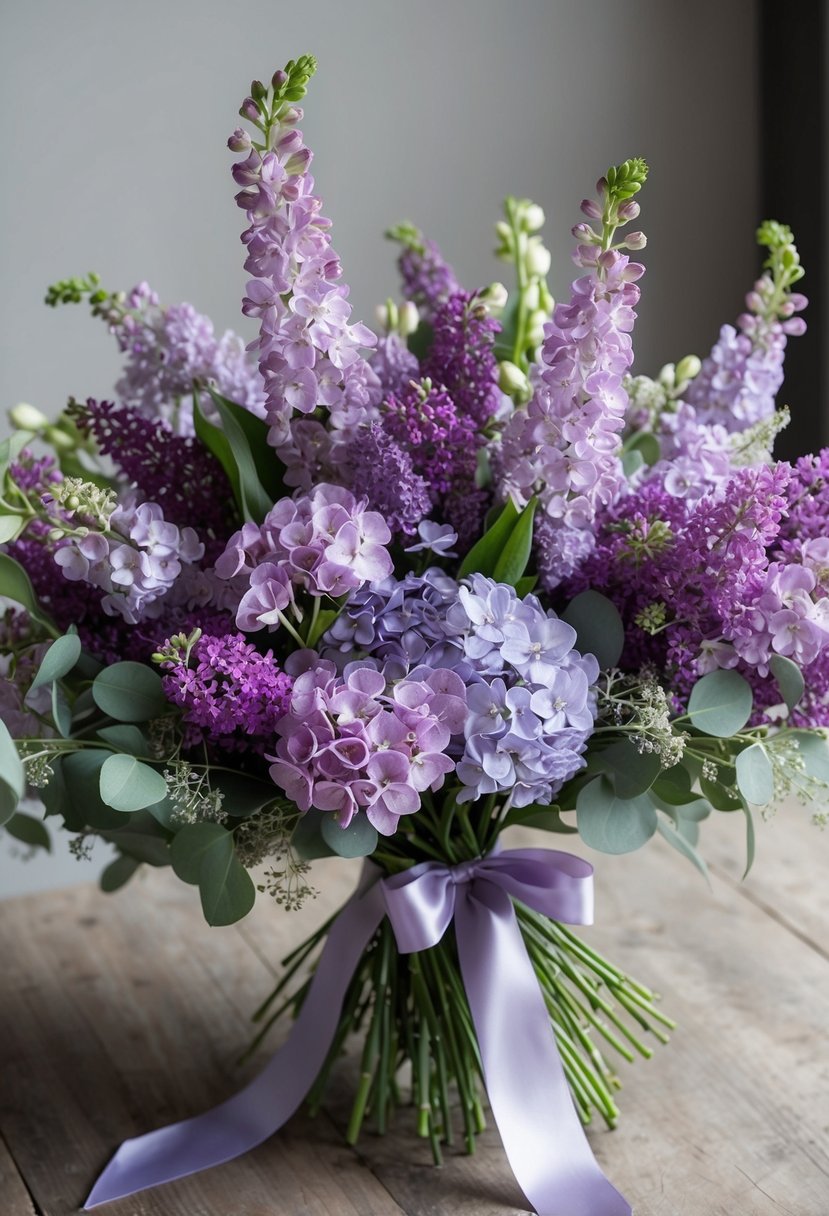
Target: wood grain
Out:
[120,1014]
[16,1199]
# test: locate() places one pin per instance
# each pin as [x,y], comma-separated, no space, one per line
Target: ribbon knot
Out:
[526,1086]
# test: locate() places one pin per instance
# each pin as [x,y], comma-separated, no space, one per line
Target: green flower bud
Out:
[538,258]
[688,368]
[512,381]
[27,418]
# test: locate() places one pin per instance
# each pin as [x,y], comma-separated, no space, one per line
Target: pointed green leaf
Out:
[682,845]
[10,526]
[515,555]
[29,831]
[61,713]
[484,554]
[755,775]
[611,824]
[118,872]
[269,468]
[720,703]
[16,585]
[58,660]
[254,501]
[128,785]
[789,679]
[598,626]
[83,806]
[130,692]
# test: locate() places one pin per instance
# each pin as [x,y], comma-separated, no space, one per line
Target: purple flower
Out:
[428,279]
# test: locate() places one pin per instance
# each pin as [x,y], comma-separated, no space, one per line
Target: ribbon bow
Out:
[527,1089]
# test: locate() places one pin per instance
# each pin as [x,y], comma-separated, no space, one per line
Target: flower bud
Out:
[532,295]
[495,296]
[583,232]
[591,209]
[249,109]
[628,210]
[667,376]
[279,79]
[535,327]
[409,319]
[26,418]
[538,258]
[512,380]
[688,368]
[258,90]
[59,438]
[636,240]
[533,217]
[239,141]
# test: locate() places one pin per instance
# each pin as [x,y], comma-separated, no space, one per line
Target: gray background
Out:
[115,117]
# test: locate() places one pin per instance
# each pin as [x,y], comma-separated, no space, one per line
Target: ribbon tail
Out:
[256,1112]
[539,1126]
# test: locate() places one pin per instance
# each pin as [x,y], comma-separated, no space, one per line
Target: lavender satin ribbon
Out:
[541,1131]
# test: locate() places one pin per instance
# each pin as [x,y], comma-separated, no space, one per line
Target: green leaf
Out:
[125,738]
[16,585]
[504,347]
[11,766]
[755,775]
[722,797]
[632,462]
[483,556]
[632,772]
[359,839]
[307,839]
[720,703]
[203,854]
[216,442]
[83,806]
[58,660]
[515,555]
[61,713]
[598,625]
[130,692]
[545,818]
[814,749]
[10,526]
[269,468]
[646,445]
[420,342]
[526,585]
[30,831]
[253,499]
[243,795]
[674,786]
[11,448]
[128,785]
[53,795]
[611,824]
[789,679]
[140,841]
[750,840]
[682,845]
[118,873]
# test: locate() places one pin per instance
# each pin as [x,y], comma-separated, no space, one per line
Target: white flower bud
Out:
[535,327]
[59,438]
[512,380]
[495,296]
[532,296]
[533,217]
[26,418]
[667,376]
[408,320]
[538,258]
[687,368]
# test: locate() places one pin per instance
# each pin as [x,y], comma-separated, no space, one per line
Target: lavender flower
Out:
[428,279]
[462,358]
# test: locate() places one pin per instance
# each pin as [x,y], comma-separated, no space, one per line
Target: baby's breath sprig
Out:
[194,799]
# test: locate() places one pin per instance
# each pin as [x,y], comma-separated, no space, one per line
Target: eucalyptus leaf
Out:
[646,445]
[484,554]
[814,749]
[61,712]
[789,679]
[677,840]
[130,692]
[11,448]
[515,555]
[53,795]
[243,795]
[632,462]
[136,842]
[721,796]
[58,660]
[203,853]
[720,703]
[83,806]
[673,786]
[16,585]
[632,772]
[29,830]
[612,824]
[190,845]
[750,840]
[547,819]
[125,738]
[128,785]
[359,839]
[598,625]
[307,840]
[755,775]
[10,526]
[118,873]
[11,766]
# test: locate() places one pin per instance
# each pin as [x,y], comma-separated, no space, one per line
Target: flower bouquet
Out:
[387,595]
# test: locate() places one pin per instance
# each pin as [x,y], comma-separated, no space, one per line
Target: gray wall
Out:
[115,117]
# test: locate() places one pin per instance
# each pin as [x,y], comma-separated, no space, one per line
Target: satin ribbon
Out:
[526,1086]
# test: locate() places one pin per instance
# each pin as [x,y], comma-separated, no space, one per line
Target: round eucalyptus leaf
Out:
[612,824]
[307,840]
[598,625]
[29,830]
[11,766]
[10,525]
[755,775]
[190,845]
[84,807]
[58,660]
[203,853]
[789,679]
[814,749]
[720,703]
[125,738]
[128,785]
[130,692]
[357,840]
[631,771]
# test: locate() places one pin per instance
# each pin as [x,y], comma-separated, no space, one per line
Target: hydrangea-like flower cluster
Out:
[308,351]
[353,743]
[790,616]
[231,695]
[326,543]
[134,562]
[167,348]
[531,708]
[563,446]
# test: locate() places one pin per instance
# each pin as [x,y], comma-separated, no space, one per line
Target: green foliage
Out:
[611,824]
[16,585]
[631,771]
[30,831]
[203,854]
[83,807]
[130,692]
[255,457]
[598,626]
[755,775]
[679,840]
[118,873]
[125,738]
[720,703]
[238,444]
[128,785]
[513,560]
[61,712]
[814,751]
[789,679]
[58,660]
[12,775]
[307,842]
[141,838]
[483,557]
[625,180]
[359,839]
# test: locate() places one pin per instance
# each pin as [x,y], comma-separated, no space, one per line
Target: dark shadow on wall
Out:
[793,189]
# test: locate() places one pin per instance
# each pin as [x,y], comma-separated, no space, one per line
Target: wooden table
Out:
[121,1013]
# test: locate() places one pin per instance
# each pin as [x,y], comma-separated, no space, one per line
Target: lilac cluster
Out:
[808,495]
[325,543]
[696,456]
[34,475]
[167,348]
[563,446]
[462,359]
[383,472]
[353,743]
[175,471]
[135,562]
[232,695]
[309,352]
[531,707]
[394,364]
[428,279]
[790,615]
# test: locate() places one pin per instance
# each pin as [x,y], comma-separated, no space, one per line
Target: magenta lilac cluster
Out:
[228,692]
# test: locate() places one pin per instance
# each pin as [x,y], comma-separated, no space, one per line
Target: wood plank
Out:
[120,1015]
[15,1197]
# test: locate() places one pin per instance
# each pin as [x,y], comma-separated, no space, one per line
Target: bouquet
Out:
[387,594]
